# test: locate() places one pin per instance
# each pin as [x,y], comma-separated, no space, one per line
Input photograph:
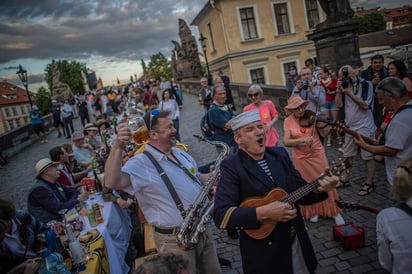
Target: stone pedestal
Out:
[337,44]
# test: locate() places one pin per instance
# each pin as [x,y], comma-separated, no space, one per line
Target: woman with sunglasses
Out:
[267,111]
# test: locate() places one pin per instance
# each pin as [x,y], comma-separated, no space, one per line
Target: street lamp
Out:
[22,73]
[202,42]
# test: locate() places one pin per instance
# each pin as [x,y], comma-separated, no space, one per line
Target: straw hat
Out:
[296,101]
[42,165]
[90,126]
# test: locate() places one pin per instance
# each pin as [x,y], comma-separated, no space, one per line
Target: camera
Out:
[346,80]
[305,84]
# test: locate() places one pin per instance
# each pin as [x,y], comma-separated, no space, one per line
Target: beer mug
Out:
[139,129]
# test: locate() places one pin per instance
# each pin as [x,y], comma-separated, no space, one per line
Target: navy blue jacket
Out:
[242,177]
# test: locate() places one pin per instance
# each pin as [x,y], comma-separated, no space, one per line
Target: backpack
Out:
[206,128]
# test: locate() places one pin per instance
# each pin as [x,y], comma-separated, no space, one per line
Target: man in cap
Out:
[252,172]
[47,197]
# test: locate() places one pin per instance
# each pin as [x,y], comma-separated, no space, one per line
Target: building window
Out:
[248,21]
[312,13]
[17,122]
[14,111]
[258,76]
[7,112]
[282,20]
[11,124]
[23,110]
[28,109]
[26,121]
[211,41]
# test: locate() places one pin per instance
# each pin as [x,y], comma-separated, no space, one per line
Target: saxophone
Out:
[199,214]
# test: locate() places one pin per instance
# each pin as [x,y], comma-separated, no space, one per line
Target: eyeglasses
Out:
[251,95]
[153,113]
[77,140]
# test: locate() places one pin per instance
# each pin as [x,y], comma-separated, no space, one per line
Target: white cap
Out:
[244,119]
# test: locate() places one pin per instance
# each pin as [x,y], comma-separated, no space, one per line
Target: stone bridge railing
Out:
[16,140]
[277,94]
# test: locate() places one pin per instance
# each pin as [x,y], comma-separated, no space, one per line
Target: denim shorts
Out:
[329,105]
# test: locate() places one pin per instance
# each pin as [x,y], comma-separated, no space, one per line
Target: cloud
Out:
[57,29]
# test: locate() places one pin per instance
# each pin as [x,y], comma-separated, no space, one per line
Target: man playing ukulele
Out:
[273,238]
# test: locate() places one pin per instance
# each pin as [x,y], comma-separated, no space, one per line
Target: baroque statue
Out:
[336,10]
[60,91]
[185,56]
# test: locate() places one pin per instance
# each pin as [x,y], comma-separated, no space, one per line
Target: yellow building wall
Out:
[236,57]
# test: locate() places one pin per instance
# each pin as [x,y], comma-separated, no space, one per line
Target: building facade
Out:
[257,42]
[14,107]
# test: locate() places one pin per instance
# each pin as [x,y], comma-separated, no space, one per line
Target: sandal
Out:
[366,189]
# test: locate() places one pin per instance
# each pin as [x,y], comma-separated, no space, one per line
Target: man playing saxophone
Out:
[163,209]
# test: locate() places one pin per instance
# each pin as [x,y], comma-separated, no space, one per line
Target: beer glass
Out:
[139,129]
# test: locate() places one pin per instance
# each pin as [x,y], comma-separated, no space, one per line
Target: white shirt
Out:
[171,106]
[151,192]
[394,239]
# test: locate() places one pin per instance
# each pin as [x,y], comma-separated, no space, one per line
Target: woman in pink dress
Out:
[267,111]
[309,158]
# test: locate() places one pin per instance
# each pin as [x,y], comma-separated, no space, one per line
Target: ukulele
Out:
[355,206]
[278,194]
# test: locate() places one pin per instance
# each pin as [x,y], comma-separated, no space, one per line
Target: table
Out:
[115,229]
[98,262]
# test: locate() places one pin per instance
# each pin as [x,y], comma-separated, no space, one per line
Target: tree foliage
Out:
[160,66]
[43,98]
[70,74]
[370,22]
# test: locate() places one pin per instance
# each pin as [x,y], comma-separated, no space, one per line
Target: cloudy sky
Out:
[109,36]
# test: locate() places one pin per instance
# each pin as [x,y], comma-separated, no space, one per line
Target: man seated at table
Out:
[47,197]
[18,233]
[82,152]
[59,155]
[140,177]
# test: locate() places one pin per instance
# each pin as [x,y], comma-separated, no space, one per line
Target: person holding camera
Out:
[309,91]
[355,95]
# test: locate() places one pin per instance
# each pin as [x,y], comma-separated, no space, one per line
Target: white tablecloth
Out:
[115,230]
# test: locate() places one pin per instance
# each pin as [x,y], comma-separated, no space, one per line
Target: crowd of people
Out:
[165,182]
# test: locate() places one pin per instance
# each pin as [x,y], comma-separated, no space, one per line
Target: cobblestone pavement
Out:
[16,178]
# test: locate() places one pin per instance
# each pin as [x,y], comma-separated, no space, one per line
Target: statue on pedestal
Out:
[185,56]
[336,38]
[60,91]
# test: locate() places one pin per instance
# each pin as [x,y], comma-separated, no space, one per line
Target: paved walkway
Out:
[16,178]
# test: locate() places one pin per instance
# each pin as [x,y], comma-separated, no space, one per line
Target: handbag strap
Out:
[405,208]
[168,184]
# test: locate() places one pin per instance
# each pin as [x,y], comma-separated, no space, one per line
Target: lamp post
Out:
[202,42]
[22,73]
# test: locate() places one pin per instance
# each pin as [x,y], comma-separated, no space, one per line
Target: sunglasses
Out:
[251,95]
[153,113]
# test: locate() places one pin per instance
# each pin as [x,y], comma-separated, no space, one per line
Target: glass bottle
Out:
[51,239]
[98,214]
[64,253]
[75,247]
[90,216]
